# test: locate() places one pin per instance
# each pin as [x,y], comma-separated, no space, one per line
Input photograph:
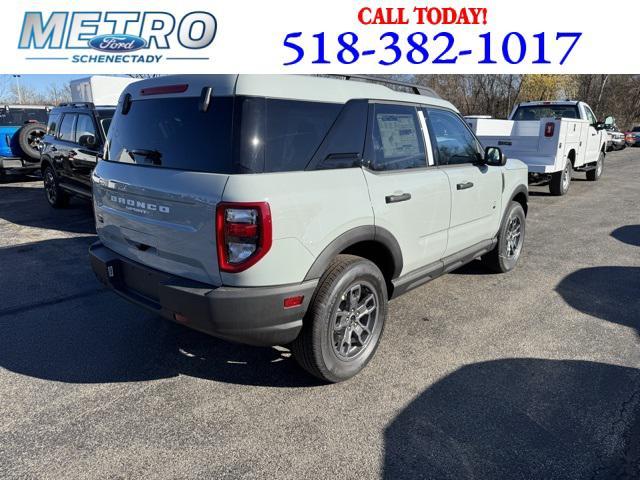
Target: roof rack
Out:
[77,104]
[414,87]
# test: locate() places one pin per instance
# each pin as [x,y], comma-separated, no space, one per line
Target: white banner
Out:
[331,36]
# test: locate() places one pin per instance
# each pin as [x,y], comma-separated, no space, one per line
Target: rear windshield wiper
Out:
[153,155]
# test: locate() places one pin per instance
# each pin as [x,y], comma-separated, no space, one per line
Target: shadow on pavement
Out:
[608,293]
[58,323]
[521,419]
[28,206]
[628,234]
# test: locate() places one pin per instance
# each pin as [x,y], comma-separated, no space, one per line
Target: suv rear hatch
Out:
[167,161]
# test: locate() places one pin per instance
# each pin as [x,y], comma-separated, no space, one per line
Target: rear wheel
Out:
[560,181]
[345,320]
[596,173]
[56,197]
[506,253]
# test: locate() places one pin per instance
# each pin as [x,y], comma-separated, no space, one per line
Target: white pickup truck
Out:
[552,138]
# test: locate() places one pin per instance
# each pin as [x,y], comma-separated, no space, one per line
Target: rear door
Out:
[475,189]
[165,169]
[409,194]
[62,149]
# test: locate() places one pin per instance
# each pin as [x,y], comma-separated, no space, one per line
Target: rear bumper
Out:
[254,316]
[17,163]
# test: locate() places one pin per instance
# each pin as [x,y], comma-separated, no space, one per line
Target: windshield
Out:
[20,116]
[636,129]
[536,112]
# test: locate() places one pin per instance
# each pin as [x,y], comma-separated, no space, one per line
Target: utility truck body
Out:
[552,138]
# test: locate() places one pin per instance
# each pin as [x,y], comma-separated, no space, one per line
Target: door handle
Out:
[397,198]
[464,185]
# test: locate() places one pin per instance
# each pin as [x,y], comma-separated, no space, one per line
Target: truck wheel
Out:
[29,139]
[560,181]
[506,253]
[345,320]
[56,197]
[596,173]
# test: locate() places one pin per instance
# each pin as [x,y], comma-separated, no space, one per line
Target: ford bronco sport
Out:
[288,210]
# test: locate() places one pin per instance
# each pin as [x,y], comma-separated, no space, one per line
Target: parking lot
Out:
[532,374]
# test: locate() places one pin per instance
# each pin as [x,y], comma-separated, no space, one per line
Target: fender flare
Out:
[351,237]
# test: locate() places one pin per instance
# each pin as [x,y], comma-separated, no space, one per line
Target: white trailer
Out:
[552,138]
[100,90]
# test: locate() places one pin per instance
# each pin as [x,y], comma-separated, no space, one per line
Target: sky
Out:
[41,82]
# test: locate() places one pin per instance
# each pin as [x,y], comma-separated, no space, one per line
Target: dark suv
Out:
[75,136]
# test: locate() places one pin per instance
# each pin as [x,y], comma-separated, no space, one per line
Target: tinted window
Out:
[19,116]
[536,112]
[455,143]
[54,119]
[84,126]
[174,133]
[281,135]
[636,129]
[342,147]
[66,128]
[397,138]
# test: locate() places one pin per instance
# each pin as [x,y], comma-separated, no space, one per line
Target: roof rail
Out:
[77,104]
[414,87]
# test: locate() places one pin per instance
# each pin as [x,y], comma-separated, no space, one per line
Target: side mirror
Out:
[88,141]
[493,156]
[600,126]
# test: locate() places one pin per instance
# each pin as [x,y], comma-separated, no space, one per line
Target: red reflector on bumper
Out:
[180,318]
[291,302]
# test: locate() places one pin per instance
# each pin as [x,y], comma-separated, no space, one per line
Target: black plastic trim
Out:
[432,271]
[351,237]
[255,316]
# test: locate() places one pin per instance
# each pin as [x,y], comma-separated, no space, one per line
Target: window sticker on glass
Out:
[399,135]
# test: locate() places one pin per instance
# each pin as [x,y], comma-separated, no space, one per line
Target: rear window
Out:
[19,116]
[536,112]
[636,129]
[235,135]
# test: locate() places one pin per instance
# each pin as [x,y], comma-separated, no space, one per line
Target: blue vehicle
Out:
[21,130]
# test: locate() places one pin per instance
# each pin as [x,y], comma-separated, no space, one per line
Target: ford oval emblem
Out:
[117,43]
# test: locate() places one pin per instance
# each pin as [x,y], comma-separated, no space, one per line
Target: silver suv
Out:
[288,210]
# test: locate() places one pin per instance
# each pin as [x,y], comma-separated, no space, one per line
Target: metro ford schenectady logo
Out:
[117,43]
[116,37]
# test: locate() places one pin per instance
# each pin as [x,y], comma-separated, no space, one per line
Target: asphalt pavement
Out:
[528,375]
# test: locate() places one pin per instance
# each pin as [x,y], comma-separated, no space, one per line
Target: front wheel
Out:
[560,181]
[595,174]
[345,320]
[506,253]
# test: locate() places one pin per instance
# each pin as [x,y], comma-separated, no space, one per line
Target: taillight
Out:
[243,232]
[549,128]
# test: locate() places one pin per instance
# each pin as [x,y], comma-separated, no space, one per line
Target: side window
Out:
[455,144]
[66,128]
[84,126]
[52,125]
[397,138]
[590,116]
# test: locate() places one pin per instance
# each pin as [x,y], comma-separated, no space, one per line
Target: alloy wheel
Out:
[513,237]
[355,320]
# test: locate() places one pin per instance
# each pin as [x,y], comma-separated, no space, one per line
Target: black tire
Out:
[321,348]
[504,257]
[29,138]
[56,196]
[595,174]
[560,181]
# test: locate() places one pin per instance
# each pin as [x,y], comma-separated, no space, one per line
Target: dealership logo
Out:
[117,43]
[116,35]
